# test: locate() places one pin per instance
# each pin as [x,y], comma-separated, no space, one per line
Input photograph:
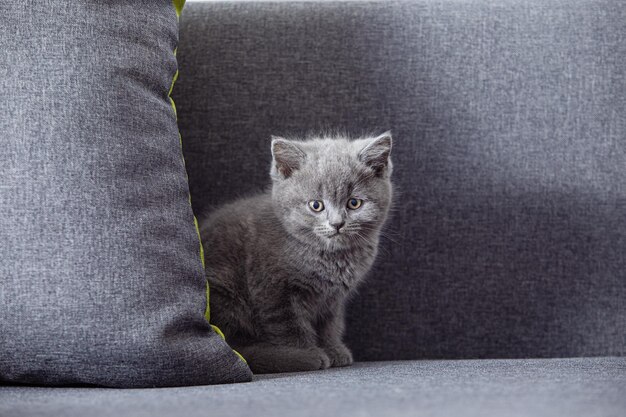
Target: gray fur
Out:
[279,280]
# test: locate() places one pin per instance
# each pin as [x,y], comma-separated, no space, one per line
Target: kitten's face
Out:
[332,193]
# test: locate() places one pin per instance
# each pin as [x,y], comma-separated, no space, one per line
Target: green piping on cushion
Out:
[178,5]
[207,316]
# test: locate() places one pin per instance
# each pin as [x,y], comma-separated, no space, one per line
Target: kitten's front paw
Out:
[325,361]
[303,359]
[339,355]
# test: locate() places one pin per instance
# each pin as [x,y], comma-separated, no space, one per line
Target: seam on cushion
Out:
[178,6]
[180,138]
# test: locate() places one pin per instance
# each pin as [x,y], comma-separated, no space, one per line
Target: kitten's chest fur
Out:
[320,280]
[337,271]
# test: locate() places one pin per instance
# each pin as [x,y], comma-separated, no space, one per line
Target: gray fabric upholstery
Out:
[509,119]
[589,387]
[101,280]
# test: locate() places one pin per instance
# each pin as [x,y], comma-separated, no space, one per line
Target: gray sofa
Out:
[501,286]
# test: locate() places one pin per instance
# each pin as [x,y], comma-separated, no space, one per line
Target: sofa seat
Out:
[510,387]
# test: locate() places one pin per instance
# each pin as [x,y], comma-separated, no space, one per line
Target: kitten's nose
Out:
[337,224]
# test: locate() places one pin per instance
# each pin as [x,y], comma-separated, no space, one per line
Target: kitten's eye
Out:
[316,205]
[354,203]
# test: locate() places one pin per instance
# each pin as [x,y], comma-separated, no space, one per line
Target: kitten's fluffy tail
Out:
[265,358]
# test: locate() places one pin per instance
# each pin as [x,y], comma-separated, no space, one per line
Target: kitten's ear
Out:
[376,153]
[287,157]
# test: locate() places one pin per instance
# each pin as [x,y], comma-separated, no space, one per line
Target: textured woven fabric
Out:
[508,237]
[101,280]
[586,387]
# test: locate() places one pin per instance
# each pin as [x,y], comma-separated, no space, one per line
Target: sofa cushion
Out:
[101,278]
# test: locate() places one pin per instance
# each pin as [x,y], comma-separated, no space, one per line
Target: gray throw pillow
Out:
[101,278]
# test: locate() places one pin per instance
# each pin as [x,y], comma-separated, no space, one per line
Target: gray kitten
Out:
[281,265]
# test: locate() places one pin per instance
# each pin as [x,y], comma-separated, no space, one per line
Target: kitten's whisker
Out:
[375,244]
[382,232]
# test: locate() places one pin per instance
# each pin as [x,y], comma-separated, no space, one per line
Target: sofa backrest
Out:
[508,237]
